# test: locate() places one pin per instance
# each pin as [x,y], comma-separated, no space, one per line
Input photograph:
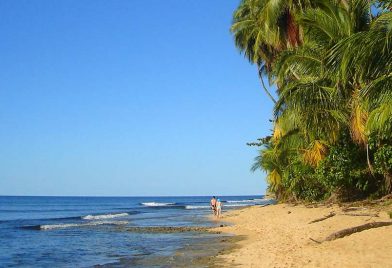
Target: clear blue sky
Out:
[126,98]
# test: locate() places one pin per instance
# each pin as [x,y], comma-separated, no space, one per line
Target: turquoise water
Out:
[88,231]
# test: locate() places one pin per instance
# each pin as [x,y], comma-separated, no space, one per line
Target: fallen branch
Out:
[314,240]
[356,229]
[361,214]
[313,205]
[352,209]
[323,218]
[382,199]
[386,197]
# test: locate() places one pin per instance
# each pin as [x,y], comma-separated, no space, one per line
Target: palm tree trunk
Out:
[368,159]
[264,87]
[292,31]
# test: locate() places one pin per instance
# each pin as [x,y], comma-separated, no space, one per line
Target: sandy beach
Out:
[283,236]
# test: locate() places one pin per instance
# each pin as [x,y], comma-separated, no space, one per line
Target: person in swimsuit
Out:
[218,208]
[213,205]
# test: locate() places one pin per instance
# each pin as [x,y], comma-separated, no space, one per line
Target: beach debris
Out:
[313,205]
[352,230]
[265,205]
[314,240]
[386,197]
[347,209]
[323,218]
[361,214]
[379,201]
[356,229]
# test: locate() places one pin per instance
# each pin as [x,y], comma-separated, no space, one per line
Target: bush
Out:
[383,165]
[382,148]
[300,181]
[344,172]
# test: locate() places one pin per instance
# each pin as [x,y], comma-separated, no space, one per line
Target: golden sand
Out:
[280,236]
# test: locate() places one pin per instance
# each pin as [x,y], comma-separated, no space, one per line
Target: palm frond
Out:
[316,152]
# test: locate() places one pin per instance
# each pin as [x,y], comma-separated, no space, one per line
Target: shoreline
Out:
[285,235]
[202,244]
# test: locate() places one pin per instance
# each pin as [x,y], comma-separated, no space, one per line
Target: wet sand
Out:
[201,246]
[195,254]
[283,236]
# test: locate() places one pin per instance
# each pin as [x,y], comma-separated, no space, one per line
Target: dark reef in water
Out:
[168,229]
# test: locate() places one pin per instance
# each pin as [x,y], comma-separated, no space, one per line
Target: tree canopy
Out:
[330,62]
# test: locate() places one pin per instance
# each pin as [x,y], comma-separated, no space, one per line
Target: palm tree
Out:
[367,56]
[314,104]
[271,160]
[263,28]
[331,61]
[308,87]
[249,37]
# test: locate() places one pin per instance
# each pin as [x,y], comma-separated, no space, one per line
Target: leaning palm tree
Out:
[249,37]
[263,28]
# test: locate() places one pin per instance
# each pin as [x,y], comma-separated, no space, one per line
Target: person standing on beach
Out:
[213,205]
[218,208]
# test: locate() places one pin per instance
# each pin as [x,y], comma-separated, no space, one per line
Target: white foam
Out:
[58,226]
[156,204]
[196,207]
[237,205]
[70,225]
[223,205]
[241,201]
[104,216]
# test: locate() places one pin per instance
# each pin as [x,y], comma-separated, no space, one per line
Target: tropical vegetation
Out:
[330,63]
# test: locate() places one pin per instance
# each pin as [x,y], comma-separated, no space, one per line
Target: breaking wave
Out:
[238,205]
[241,201]
[75,225]
[207,207]
[104,216]
[196,207]
[157,204]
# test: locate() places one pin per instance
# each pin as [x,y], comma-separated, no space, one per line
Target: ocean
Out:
[104,231]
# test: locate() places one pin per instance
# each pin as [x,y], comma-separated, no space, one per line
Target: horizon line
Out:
[127,196]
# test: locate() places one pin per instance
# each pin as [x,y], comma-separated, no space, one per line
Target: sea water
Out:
[89,231]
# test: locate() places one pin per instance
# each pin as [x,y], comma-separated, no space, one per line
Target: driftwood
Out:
[382,199]
[314,240]
[314,205]
[356,229]
[323,218]
[386,197]
[352,209]
[361,214]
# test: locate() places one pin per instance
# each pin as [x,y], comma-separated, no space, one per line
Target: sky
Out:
[126,98]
